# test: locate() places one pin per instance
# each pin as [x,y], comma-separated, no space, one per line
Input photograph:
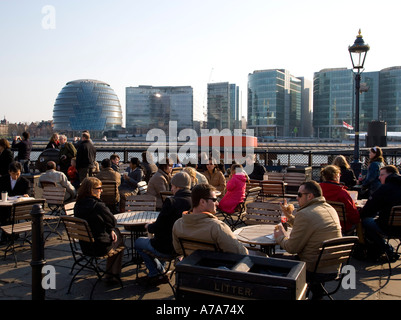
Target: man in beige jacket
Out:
[314,222]
[202,224]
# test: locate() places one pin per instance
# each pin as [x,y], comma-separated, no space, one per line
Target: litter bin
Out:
[208,274]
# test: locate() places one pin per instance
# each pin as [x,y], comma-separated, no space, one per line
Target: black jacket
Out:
[347,177]
[162,228]
[258,172]
[383,199]
[20,188]
[6,157]
[24,149]
[86,155]
[100,220]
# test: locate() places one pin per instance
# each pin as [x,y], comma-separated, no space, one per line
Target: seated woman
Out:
[102,223]
[347,174]
[333,190]
[235,189]
[215,177]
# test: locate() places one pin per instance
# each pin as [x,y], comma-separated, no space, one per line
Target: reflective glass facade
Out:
[150,107]
[390,98]
[274,103]
[222,106]
[333,100]
[87,105]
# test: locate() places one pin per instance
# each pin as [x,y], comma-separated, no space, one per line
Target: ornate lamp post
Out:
[358,52]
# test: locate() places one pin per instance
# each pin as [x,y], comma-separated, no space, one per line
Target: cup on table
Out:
[4,196]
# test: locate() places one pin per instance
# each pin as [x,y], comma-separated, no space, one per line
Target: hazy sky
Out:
[178,42]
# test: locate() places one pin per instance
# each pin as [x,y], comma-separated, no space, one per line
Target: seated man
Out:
[108,174]
[314,222]
[375,214]
[15,185]
[59,178]
[115,162]
[129,181]
[161,244]
[202,224]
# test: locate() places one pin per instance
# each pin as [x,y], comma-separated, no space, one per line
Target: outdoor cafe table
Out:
[11,200]
[134,222]
[258,234]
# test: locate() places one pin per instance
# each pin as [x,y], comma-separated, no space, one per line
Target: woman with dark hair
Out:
[6,156]
[101,222]
[160,181]
[236,187]
[376,161]
[214,176]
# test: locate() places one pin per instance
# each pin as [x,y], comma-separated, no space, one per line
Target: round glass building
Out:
[87,105]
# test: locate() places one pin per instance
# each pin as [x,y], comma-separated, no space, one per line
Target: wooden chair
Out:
[20,224]
[293,181]
[175,170]
[262,213]
[275,176]
[340,208]
[333,252]
[79,230]
[394,229]
[236,218]
[252,184]
[109,195]
[140,202]
[188,246]
[272,190]
[54,196]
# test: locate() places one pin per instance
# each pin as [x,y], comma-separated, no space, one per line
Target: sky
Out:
[45,44]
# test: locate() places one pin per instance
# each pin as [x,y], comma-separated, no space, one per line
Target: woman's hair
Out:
[340,161]
[4,143]
[378,154]
[86,187]
[237,168]
[54,137]
[192,173]
[329,172]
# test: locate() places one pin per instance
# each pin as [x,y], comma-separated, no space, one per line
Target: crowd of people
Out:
[198,192]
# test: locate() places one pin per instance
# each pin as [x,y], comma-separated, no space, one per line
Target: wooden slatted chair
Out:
[54,196]
[293,181]
[252,184]
[109,195]
[394,229]
[79,230]
[236,218]
[188,246]
[20,224]
[272,190]
[275,176]
[340,208]
[333,252]
[262,213]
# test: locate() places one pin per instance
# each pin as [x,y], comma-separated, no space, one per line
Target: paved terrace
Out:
[372,279]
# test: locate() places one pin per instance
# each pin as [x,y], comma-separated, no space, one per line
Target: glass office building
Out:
[274,103]
[222,106]
[149,107]
[333,101]
[390,98]
[87,105]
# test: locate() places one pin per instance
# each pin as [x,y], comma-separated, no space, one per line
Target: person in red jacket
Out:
[333,190]
[236,187]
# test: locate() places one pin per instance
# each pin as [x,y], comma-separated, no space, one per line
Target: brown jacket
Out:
[160,181]
[110,175]
[216,179]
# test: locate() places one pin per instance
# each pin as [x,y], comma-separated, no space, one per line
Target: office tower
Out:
[274,103]
[87,105]
[390,98]
[223,106]
[149,107]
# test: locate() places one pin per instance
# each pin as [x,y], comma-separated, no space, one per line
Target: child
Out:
[72,173]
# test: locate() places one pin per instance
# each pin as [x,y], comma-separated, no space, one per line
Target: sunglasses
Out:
[98,188]
[213,199]
[300,194]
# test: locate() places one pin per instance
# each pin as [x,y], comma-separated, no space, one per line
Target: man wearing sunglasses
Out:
[314,222]
[201,223]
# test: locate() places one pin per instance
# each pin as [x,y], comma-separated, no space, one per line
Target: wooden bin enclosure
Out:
[208,274]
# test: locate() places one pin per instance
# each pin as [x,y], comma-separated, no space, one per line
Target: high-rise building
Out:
[87,105]
[223,106]
[274,103]
[334,101]
[149,107]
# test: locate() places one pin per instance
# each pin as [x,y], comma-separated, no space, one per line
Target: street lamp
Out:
[358,52]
